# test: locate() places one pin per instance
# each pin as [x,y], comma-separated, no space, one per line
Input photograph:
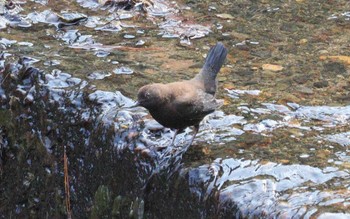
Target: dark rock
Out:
[301,79]
[304,90]
[332,69]
[321,84]
[244,72]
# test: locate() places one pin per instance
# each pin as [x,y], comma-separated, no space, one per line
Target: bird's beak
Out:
[136,104]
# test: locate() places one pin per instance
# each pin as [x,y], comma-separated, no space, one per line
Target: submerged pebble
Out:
[140,43]
[114,26]
[52,62]
[123,71]
[6,42]
[72,17]
[25,44]
[29,60]
[101,53]
[98,75]
[129,36]
[304,156]
[236,93]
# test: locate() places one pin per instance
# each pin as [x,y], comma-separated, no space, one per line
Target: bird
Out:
[181,104]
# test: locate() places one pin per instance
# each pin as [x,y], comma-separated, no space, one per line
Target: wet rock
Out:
[25,44]
[123,71]
[342,139]
[333,215]
[269,188]
[3,22]
[29,60]
[101,53]
[72,18]
[6,42]
[46,16]
[129,36]
[242,46]
[98,75]
[52,62]
[236,93]
[263,126]
[140,43]
[329,115]
[91,4]
[173,27]
[113,26]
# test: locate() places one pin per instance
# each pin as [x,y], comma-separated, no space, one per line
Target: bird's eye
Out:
[147,94]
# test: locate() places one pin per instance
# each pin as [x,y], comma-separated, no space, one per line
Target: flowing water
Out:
[278,148]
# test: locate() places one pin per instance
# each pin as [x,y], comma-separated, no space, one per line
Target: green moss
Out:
[102,203]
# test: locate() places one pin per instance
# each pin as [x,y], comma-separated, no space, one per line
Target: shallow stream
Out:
[278,148]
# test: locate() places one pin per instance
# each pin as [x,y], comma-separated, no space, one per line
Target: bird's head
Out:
[150,96]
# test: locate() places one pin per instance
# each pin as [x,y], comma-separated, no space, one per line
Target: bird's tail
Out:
[215,59]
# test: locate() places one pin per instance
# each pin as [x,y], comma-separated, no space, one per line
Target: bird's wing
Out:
[196,105]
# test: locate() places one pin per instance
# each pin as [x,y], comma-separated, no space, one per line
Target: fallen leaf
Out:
[284,161]
[344,59]
[271,67]
[226,102]
[229,86]
[239,36]
[346,165]
[206,151]
[225,16]
[303,41]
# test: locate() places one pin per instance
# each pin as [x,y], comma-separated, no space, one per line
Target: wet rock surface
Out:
[277,148]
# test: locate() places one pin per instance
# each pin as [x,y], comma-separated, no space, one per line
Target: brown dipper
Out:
[181,104]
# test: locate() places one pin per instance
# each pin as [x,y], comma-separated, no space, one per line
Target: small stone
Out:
[323,51]
[301,79]
[304,156]
[332,69]
[343,59]
[140,43]
[321,84]
[129,36]
[225,16]
[303,41]
[304,90]
[284,161]
[239,36]
[288,98]
[123,71]
[271,67]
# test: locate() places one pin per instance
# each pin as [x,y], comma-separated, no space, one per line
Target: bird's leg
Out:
[176,131]
[196,128]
